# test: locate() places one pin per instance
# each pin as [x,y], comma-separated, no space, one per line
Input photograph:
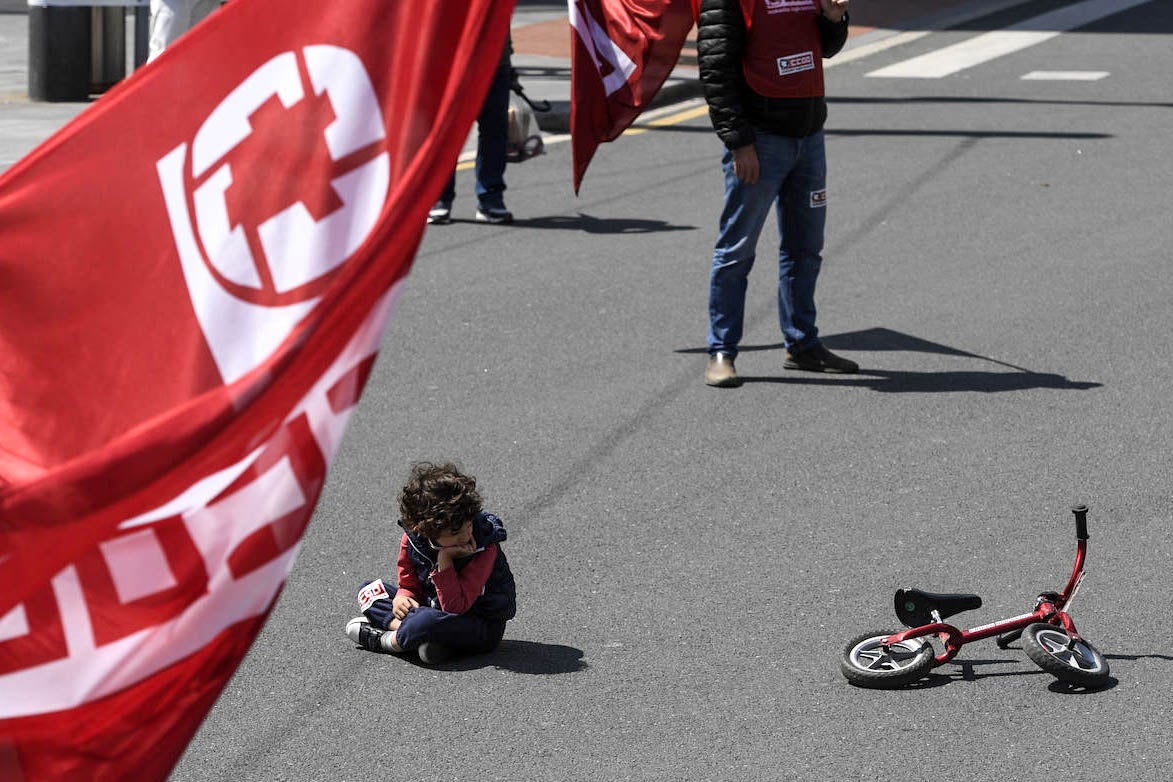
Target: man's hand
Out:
[834,10]
[745,162]
[401,604]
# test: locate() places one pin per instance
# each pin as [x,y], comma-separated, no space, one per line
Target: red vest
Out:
[783,55]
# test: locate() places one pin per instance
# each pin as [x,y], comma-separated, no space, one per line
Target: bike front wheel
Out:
[867,663]
[1068,660]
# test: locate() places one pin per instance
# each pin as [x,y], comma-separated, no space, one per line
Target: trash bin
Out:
[78,47]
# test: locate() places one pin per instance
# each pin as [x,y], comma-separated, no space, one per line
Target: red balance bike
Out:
[1049,637]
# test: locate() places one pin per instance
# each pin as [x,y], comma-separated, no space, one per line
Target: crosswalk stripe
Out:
[951,59]
[867,50]
[1065,75]
[991,45]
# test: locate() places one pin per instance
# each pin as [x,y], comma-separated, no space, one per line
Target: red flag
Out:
[623,50]
[194,278]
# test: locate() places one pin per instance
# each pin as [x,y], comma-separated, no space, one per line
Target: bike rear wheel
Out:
[1069,660]
[866,663]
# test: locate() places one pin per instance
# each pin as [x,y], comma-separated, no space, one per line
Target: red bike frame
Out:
[1050,608]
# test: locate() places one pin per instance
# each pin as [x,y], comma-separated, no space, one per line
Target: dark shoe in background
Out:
[817,358]
[497,215]
[440,214]
[432,653]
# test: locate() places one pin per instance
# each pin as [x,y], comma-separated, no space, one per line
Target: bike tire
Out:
[865,663]
[1050,648]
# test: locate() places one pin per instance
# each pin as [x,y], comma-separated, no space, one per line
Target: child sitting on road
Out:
[455,589]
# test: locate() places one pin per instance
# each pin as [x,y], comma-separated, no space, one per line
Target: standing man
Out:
[761,66]
[172,18]
[492,149]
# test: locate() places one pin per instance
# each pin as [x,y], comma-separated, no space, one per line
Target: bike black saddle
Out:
[914,606]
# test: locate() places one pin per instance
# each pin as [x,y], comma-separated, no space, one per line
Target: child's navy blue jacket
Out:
[498,600]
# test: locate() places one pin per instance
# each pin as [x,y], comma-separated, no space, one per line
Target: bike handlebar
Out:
[1080,512]
[1006,639]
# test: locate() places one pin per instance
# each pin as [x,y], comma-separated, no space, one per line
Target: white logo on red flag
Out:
[613,64]
[167,582]
[257,250]
[623,50]
[151,513]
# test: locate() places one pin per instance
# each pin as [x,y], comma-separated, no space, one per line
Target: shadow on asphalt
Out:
[1065,688]
[932,382]
[1019,134]
[524,657]
[971,672]
[896,381]
[595,225]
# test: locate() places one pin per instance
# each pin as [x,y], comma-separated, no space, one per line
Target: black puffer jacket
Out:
[734,108]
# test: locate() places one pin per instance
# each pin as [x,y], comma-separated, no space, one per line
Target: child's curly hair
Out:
[438,499]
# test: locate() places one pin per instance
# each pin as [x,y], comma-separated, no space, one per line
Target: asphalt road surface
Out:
[690,561]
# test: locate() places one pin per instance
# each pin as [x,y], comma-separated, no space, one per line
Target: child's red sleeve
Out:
[408,583]
[458,591]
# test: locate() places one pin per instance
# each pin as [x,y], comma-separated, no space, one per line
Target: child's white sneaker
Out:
[360,631]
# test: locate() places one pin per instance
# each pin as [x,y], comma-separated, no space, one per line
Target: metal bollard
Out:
[79,47]
[59,51]
[108,47]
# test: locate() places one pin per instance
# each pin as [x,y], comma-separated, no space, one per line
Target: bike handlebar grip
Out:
[1080,512]
[1006,639]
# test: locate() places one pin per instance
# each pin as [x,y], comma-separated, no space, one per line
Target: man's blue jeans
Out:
[793,176]
[492,143]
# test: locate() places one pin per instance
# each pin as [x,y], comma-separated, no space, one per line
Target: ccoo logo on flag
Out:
[278,188]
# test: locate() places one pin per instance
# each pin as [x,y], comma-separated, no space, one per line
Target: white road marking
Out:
[868,49]
[991,45]
[1065,75]
[882,39]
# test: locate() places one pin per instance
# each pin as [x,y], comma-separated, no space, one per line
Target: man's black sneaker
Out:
[432,653]
[497,215]
[817,358]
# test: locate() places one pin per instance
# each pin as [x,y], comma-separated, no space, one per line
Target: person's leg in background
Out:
[172,18]
[492,147]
